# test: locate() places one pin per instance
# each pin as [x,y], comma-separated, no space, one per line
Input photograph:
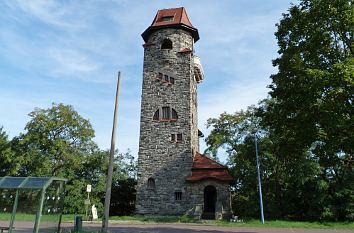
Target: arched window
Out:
[166,44]
[151,183]
[165,114]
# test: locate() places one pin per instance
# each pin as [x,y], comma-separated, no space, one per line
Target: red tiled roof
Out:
[179,16]
[201,161]
[221,175]
[171,18]
[205,168]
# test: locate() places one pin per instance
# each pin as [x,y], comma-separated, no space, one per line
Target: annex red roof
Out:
[171,18]
[221,175]
[202,162]
[205,168]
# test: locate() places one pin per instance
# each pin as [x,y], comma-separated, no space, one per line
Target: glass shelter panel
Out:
[52,207]
[31,204]
[36,182]
[12,182]
[27,208]
[7,200]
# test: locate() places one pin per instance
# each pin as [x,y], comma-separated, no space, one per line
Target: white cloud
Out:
[70,52]
[56,13]
[71,61]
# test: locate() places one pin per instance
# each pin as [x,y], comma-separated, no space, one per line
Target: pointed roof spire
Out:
[171,18]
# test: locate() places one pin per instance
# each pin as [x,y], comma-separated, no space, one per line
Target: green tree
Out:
[234,134]
[311,112]
[305,128]
[56,142]
[8,165]
[123,197]
[59,142]
[123,185]
[291,187]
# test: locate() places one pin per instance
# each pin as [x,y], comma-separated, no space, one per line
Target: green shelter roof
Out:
[9,182]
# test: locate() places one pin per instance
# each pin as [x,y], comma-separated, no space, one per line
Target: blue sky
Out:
[70,52]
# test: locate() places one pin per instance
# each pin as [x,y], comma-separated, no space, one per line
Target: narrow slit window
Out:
[159,76]
[166,113]
[166,78]
[156,115]
[172,80]
[173,137]
[174,115]
[179,137]
[151,183]
[178,196]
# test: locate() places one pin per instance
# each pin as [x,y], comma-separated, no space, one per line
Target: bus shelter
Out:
[37,203]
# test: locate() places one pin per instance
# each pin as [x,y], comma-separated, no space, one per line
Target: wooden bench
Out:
[2,229]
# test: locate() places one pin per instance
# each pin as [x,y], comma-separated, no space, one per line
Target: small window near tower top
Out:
[179,137]
[178,196]
[176,137]
[165,78]
[166,44]
[168,18]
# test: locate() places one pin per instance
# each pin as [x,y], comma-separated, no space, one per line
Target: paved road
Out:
[195,228]
[24,227]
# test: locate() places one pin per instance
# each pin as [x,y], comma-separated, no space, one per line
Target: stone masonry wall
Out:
[223,197]
[168,163]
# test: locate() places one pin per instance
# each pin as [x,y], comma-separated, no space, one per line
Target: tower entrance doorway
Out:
[209,202]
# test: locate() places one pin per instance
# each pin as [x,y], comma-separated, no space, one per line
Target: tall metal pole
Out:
[259,181]
[107,200]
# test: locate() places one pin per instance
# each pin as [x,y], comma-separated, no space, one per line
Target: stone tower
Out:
[168,125]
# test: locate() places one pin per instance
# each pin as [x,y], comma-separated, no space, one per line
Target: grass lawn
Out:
[289,224]
[32,217]
[185,219]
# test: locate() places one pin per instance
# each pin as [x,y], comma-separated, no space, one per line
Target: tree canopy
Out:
[59,142]
[7,165]
[306,126]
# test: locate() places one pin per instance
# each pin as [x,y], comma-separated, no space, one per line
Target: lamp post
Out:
[259,178]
